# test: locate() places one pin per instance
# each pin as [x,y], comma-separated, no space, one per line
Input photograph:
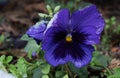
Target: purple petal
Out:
[87,49]
[61,53]
[90,36]
[49,56]
[37,31]
[88,20]
[52,36]
[60,19]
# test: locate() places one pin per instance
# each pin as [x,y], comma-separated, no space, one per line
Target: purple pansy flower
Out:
[69,38]
[37,30]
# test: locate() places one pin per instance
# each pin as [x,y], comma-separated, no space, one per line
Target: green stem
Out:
[75,4]
[75,75]
[68,70]
[50,75]
[109,71]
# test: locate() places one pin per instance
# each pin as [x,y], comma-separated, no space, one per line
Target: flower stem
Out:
[68,70]
[109,71]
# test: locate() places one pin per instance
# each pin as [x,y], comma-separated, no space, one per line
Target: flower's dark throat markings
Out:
[68,38]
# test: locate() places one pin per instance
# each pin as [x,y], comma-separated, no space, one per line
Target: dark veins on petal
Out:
[79,37]
[58,36]
[71,49]
[68,48]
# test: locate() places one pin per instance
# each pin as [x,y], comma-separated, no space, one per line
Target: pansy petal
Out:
[88,16]
[37,31]
[88,20]
[79,54]
[52,36]
[87,49]
[49,56]
[90,37]
[60,19]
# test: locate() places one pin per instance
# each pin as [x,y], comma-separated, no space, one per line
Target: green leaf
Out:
[57,8]
[2,58]
[42,15]
[81,72]
[116,73]
[49,10]
[13,69]
[37,73]
[31,46]
[21,66]
[113,18]
[58,74]
[107,20]
[25,37]
[46,69]
[70,4]
[100,60]
[8,59]
[114,76]
[41,61]
[2,67]
[66,76]
[45,76]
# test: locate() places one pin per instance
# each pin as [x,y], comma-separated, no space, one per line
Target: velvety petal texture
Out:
[89,21]
[60,19]
[37,30]
[53,36]
[70,38]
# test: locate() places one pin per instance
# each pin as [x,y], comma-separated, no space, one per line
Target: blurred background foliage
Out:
[21,56]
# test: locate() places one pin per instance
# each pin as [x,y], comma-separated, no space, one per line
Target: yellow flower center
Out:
[69,38]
